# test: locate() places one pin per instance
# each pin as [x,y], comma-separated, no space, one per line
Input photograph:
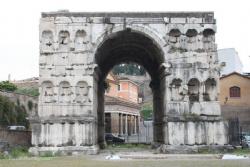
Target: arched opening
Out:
[193,90]
[175,87]
[47,92]
[131,46]
[210,93]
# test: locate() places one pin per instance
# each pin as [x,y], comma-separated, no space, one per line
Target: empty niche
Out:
[47,40]
[193,89]
[64,40]
[210,93]
[47,92]
[82,92]
[208,35]
[191,35]
[65,92]
[80,40]
[174,35]
[175,89]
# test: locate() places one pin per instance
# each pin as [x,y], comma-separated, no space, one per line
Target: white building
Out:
[232,60]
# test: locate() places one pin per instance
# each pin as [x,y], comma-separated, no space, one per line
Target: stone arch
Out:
[193,90]
[146,31]
[80,40]
[210,93]
[64,40]
[132,46]
[65,92]
[47,92]
[47,41]
[82,92]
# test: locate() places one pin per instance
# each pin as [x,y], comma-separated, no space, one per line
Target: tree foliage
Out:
[129,69]
[12,114]
[7,86]
[28,91]
[147,111]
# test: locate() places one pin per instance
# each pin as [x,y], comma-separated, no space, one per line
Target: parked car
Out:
[110,138]
[246,141]
[16,127]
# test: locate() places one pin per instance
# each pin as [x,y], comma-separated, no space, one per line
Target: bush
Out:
[30,105]
[11,114]
[147,111]
[28,91]
[47,154]
[19,152]
[7,86]
[3,156]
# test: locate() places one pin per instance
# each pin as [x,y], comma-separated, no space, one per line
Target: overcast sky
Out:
[19,44]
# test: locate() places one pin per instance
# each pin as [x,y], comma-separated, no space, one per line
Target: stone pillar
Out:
[126,124]
[135,124]
[201,91]
[121,124]
[115,127]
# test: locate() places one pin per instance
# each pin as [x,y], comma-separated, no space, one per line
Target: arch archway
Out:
[132,46]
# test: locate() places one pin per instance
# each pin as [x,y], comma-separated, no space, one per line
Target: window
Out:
[234,91]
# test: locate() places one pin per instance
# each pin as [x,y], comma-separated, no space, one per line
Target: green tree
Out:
[147,111]
[28,91]
[7,86]
[129,69]
[12,114]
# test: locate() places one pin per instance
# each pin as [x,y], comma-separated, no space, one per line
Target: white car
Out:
[246,141]
[16,127]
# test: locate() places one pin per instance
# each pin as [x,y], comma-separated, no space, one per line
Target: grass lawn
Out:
[19,157]
[90,161]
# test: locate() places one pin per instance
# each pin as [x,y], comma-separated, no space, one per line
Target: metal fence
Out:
[234,131]
[143,135]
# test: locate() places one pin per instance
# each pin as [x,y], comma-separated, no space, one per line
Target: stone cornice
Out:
[130,14]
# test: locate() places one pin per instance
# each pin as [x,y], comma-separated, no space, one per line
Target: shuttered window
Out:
[234,91]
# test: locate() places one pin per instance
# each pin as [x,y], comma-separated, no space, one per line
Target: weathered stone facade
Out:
[77,50]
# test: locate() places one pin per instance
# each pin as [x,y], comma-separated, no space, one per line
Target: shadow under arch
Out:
[137,47]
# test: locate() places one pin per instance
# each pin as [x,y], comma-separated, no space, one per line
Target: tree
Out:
[129,69]
[28,91]
[7,86]
[12,114]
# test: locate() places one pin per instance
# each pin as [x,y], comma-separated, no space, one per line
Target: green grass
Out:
[240,151]
[91,161]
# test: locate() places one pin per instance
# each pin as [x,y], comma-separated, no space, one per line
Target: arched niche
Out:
[80,40]
[82,92]
[47,41]
[64,40]
[208,35]
[193,90]
[174,35]
[176,89]
[191,35]
[65,92]
[210,90]
[47,92]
